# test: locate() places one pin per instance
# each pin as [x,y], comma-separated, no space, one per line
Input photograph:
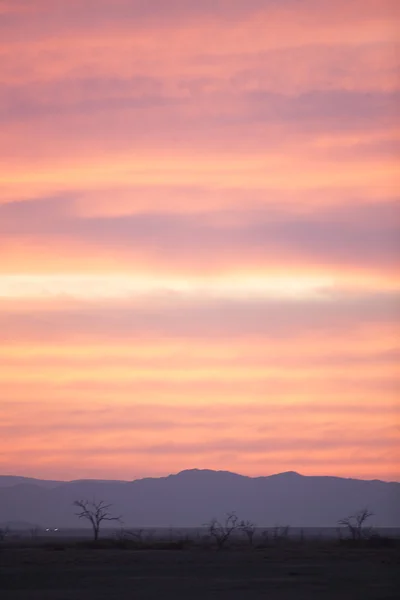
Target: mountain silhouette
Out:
[192,497]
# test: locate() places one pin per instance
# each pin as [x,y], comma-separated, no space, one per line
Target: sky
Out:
[199,237]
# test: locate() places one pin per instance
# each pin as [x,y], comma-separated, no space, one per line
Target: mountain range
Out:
[192,497]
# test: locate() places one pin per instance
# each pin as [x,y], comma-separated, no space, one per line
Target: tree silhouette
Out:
[221,532]
[96,513]
[355,523]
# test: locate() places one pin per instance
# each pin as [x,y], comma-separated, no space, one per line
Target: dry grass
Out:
[72,570]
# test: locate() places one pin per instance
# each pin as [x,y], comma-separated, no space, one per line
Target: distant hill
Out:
[9,480]
[192,497]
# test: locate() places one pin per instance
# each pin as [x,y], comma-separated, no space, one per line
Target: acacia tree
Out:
[355,523]
[221,532]
[96,513]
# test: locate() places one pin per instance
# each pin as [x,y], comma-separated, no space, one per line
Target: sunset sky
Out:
[199,237]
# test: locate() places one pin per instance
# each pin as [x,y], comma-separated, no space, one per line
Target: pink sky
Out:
[199,237]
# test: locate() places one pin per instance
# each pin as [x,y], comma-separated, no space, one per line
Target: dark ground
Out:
[303,573]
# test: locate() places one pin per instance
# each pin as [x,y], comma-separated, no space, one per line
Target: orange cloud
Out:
[199,227]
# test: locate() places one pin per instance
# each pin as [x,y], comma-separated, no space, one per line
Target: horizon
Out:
[191,470]
[199,237]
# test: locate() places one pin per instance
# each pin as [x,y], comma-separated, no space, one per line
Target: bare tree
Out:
[96,513]
[221,532]
[355,523]
[249,529]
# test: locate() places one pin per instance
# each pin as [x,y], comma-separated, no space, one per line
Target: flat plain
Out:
[302,572]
